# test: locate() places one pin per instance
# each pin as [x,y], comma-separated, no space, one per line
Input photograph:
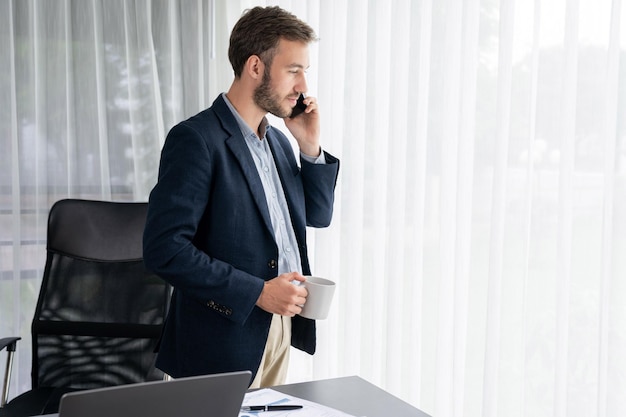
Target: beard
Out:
[266,99]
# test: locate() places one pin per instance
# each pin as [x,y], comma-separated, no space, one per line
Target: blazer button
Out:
[272,264]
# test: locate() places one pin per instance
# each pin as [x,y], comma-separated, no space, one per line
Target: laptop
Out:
[216,395]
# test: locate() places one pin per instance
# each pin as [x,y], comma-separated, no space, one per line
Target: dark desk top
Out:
[352,395]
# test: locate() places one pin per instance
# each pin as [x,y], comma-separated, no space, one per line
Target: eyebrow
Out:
[294,65]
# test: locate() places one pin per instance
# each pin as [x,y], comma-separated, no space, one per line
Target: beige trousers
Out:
[275,360]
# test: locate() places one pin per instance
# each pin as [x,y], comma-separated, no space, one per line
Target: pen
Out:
[270,407]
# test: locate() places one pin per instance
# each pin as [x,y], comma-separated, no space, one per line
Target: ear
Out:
[254,67]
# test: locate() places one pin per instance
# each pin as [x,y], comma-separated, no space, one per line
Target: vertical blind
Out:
[480,222]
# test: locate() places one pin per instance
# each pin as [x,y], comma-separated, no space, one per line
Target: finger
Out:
[290,311]
[304,293]
[311,107]
[297,277]
[288,276]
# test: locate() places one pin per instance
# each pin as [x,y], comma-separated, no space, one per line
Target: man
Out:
[227,219]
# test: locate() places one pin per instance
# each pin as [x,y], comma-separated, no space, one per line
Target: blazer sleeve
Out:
[175,210]
[319,181]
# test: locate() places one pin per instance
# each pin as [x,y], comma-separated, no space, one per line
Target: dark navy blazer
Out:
[209,234]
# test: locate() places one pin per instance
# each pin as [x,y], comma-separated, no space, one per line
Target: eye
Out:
[297,70]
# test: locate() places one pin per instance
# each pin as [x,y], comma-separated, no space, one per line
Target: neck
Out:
[243,101]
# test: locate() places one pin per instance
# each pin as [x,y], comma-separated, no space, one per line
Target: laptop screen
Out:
[217,395]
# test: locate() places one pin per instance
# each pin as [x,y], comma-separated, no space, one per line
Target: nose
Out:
[302,86]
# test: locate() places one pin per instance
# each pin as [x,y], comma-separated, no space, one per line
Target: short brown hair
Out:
[259,31]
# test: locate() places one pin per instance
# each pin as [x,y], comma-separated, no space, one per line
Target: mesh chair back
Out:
[100,313]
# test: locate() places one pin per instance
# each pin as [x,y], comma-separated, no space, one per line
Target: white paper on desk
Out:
[268,396]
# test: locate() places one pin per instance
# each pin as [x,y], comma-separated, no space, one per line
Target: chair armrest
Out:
[10,343]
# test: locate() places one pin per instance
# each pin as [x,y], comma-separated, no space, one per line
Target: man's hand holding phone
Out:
[304,125]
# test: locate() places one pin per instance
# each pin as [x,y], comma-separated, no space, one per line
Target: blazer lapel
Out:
[238,147]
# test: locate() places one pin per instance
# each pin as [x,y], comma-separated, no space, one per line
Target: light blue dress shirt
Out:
[288,253]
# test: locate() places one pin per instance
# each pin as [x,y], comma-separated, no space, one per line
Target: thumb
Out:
[294,276]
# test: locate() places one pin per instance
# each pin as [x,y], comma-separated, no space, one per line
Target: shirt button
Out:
[266,169]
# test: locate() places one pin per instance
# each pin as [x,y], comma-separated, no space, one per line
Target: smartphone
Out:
[299,108]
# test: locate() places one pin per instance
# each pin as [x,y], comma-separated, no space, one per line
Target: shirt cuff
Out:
[314,159]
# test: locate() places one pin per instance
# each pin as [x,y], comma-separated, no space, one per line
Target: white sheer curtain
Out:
[480,220]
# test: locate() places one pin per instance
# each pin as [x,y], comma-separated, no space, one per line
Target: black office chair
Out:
[99,313]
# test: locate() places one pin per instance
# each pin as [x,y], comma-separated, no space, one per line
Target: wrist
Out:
[311,151]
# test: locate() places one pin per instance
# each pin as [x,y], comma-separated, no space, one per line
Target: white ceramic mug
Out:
[321,291]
